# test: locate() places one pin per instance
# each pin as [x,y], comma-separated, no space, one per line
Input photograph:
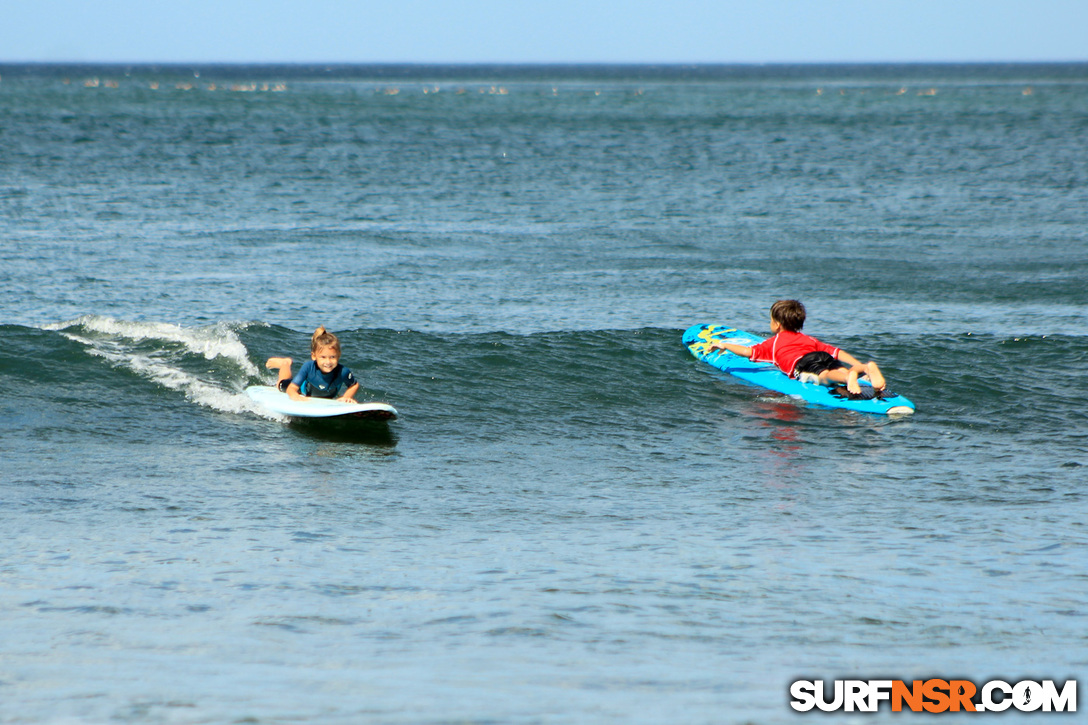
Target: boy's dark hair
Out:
[789,313]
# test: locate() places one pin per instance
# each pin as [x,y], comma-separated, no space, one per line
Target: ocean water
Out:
[573,521]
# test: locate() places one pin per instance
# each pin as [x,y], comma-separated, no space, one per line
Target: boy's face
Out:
[775,326]
[326,359]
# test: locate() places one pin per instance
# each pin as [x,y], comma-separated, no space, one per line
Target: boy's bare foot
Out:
[876,379]
[852,382]
[282,366]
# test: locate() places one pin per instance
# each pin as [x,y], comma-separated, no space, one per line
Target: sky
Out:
[542,31]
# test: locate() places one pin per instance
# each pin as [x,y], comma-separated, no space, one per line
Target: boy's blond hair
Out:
[323,338]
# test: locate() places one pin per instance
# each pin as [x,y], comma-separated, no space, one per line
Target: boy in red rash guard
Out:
[801,356]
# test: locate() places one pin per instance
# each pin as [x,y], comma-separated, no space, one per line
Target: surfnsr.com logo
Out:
[934,695]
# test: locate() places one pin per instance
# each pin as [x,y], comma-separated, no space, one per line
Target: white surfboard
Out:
[272,399]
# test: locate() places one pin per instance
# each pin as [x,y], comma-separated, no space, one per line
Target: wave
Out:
[555,382]
[210,365]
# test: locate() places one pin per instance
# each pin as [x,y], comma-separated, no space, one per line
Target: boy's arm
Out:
[349,394]
[855,365]
[847,358]
[294,393]
[735,349]
[856,369]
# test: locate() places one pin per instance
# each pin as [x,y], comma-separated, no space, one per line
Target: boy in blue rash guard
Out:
[322,376]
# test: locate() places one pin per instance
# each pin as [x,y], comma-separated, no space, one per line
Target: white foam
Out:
[218,340]
[113,341]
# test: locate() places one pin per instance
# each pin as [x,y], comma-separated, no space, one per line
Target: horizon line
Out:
[536,64]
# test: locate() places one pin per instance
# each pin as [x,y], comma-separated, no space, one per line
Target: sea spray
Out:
[162,352]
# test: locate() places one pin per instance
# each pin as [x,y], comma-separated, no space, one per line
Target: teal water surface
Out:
[573,520]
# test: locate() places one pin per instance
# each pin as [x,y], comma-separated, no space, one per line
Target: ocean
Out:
[573,520]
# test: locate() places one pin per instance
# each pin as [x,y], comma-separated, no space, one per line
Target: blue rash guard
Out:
[316,384]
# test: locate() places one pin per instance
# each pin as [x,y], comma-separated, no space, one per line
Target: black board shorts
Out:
[816,363]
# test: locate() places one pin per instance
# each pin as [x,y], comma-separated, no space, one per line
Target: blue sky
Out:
[541,31]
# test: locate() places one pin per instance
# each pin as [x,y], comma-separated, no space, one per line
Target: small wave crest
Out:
[219,340]
[209,364]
